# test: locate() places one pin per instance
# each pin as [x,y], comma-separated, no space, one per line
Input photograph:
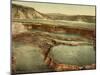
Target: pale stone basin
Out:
[73,55]
[29,59]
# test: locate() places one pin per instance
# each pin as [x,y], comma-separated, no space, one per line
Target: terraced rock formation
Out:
[41,43]
[46,43]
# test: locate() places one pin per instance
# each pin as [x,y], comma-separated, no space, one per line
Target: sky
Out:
[67,9]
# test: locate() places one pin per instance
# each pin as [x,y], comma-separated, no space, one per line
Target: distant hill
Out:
[24,12]
[85,18]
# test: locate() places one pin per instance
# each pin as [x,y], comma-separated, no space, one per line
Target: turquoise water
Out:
[73,55]
[58,34]
[29,59]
